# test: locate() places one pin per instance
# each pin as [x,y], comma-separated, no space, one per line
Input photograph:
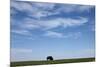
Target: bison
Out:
[49,58]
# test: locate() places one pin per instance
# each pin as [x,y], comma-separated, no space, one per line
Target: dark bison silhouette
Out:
[49,58]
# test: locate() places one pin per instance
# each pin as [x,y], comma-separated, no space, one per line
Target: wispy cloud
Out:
[21,50]
[53,34]
[74,8]
[21,32]
[74,35]
[53,23]
[63,22]
[21,6]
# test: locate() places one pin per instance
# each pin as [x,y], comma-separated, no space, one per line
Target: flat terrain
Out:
[26,63]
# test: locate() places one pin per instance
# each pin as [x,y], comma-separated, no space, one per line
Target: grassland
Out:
[26,63]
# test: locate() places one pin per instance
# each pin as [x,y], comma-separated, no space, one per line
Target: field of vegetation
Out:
[26,63]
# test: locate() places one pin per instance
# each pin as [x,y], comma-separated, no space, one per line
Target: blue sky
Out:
[61,30]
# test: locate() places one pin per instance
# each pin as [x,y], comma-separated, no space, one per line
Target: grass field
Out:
[26,63]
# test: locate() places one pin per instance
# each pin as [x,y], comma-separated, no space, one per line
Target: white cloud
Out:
[44,6]
[21,50]
[73,22]
[54,23]
[21,6]
[74,35]
[67,8]
[21,32]
[28,23]
[83,8]
[42,10]
[53,34]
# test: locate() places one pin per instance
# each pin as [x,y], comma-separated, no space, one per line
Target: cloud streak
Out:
[52,23]
[74,8]
[53,34]
[21,50]
[21,32]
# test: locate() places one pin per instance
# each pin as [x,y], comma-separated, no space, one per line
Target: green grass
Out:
[26,63]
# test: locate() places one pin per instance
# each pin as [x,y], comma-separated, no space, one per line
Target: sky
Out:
[40,29]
